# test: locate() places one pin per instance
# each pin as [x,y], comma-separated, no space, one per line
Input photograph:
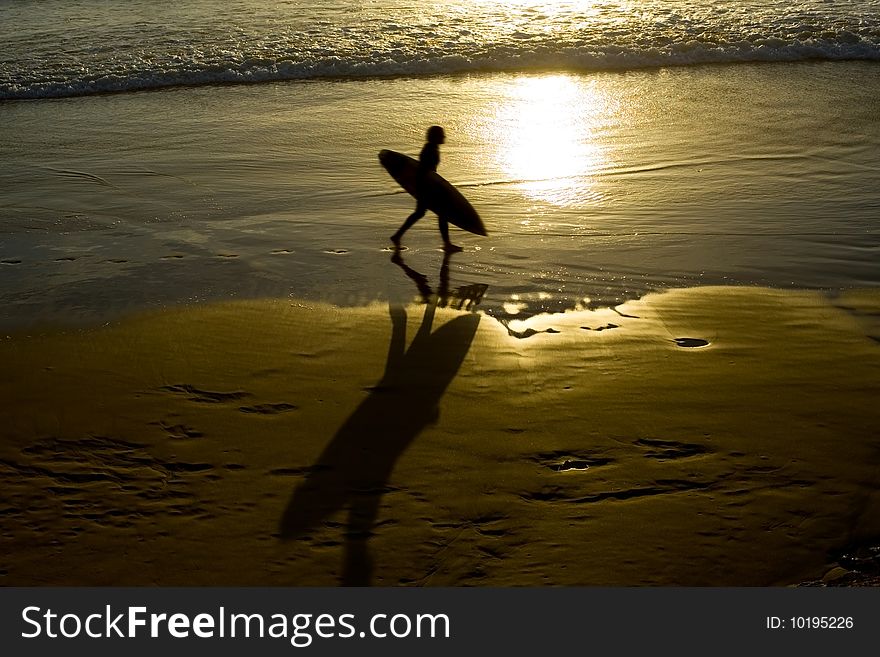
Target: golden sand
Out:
[709,436]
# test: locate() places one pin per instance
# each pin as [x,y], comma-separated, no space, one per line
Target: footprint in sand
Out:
[116,261]
[560,461]
[180,431]
[66,259]
[668,450]
[268,409]
[571,465]
[205,396]
[10,262]
[282,251]
[691,343]
[227,255]
[173,256]
[336,251]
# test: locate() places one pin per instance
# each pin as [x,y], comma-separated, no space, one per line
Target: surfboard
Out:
[439,195]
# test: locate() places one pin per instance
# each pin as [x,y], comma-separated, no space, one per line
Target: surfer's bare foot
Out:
[449,247]
[395,240]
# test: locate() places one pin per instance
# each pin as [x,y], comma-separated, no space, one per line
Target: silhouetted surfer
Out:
[429,159]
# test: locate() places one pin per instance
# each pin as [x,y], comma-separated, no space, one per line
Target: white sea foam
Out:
[55,49]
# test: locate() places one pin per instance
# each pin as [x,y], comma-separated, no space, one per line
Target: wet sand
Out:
[702,436]
[603,186]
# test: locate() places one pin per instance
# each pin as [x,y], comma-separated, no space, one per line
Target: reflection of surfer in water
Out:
[465,297]
[429,158]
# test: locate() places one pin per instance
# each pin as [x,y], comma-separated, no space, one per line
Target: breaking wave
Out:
[241,46]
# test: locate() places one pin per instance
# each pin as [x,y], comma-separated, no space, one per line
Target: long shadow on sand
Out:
[353,470]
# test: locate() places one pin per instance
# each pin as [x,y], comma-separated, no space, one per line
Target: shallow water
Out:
[595,188]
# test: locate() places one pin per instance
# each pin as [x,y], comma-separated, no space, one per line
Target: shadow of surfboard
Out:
[354,469]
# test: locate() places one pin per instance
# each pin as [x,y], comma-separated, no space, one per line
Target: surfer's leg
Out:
[417,214]
[448,246]
[357,569]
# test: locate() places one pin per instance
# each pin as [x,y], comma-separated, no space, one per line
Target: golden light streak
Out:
[546,133]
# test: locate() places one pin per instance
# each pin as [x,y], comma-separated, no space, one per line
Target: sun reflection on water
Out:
[547,134]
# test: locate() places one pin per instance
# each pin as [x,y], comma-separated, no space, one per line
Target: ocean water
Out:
[67,48]
[164,153]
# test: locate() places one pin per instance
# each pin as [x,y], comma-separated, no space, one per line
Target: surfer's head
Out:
[435,135]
